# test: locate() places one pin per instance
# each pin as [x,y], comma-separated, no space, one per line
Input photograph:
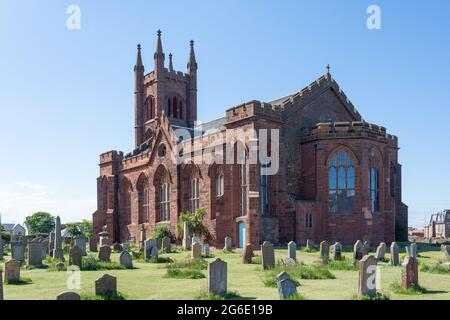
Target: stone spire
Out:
[170,63]
[159,55]
[138,59]
[139,98]
[192,64]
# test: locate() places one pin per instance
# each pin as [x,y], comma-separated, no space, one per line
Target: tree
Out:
[87,228]
[73,229]
[161,231]
[40,222]
[195,223]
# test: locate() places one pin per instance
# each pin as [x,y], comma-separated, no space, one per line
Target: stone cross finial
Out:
[328,68]
[159,33]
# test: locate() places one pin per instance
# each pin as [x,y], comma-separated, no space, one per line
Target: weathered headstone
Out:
[336,251]
[103,238]
[17,251]
[292,250]
[365,248]
[12,271]
[324,249]
[35,254]
[106,285]
[68,295]
[358,250]
[367,276]
[283,275]
[217,277]
[81,243]
[413,248]
[58,251]
[92,244]
[381,251]
[186,237]
[196,250]
[126,260]
[206,250]
[166,244]
[286,288]
[395,259]
[148,247]
[104,253]
[288,262]
[75,256]
[228,244]
[248,254]
[410,272]
[267,255]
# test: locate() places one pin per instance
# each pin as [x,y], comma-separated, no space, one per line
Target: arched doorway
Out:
[242,234]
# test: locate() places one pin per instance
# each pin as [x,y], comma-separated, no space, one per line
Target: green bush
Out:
[161,231]
[415,290]
[234,295]
[108,296]
[343,264]
[91,263]
[301,271]
[194,221]
[187,269]
[434,268]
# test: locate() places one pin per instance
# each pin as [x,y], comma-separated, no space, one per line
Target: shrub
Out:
[415,290]
[194,221]
[108,296]
[178,273]
[343,264]
[377,296]
[161,231]
[434,268]
[187,269]
[161,260]
[301,271]
[233,295]
[91,263]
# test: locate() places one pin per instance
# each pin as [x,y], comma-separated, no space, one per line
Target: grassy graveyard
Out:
[174,277]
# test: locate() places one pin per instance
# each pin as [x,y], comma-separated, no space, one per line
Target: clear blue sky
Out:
[66,96]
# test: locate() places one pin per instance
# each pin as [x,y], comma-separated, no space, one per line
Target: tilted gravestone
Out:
[248,254]
[106,285]
[217,277]
[166,244]
[283,275]
[68,295]
[267,255]
[196,250]
[286,288]
[206,249]
[17,251]
[367,276]
[126,260]
[381,251]
[410,272]
[104,253]
[228,244]
[81,243]
[324,249]
[35,254]
[358,250]
[148,247]
[12,271]
[292,250]
[395,259]
[75,256]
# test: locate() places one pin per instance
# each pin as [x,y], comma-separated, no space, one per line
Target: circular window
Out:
[162,151]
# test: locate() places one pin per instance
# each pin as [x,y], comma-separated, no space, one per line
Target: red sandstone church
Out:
[338,180]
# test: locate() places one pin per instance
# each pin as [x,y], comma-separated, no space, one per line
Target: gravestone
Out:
[154,253]
[106,285]
[126,260]
[410,272]
[1,284]
[309,245]
[196,251]
[68,295]
[365,248]
[12,270]
[35,254]
[286,288]
[248,254]
[292,250]
[283,275]
[446,250]
[103,238]
[206,250]
[367,276]
[104,253]
[75,256]
[92,244]
[17,251]
[228,244]
[358,250]
[159,243]
[413,250]
[267,255]
[166,244]
[324,249]
[148,247]
[57,250]
[80,242]
[395,259]
[217,277]
[186,237]
[288,262]
[336,251]
[381,251]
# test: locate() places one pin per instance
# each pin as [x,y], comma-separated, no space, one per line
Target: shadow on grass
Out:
[21,282]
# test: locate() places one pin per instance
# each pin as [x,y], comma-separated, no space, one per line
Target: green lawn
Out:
[147,280]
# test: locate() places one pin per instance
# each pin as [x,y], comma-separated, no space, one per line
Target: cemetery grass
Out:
[148,281]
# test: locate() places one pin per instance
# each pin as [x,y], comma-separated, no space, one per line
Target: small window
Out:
[308,221]
[220,185]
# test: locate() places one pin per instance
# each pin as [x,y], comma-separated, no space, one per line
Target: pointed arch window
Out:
[243,177]
[164,204]
[143,200]
[220,190]
[374,182]
[194,194]
[341,182]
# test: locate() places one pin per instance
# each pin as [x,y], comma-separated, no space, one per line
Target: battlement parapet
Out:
[251,109]
[111,156]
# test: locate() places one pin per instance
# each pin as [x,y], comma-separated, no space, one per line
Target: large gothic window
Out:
[162,184]
[194,194]
[264,189]
[143,199]
[243,177]
[341,182]
[374,182]
[165,202]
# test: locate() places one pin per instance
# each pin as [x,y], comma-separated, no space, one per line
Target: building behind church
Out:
[338,180]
